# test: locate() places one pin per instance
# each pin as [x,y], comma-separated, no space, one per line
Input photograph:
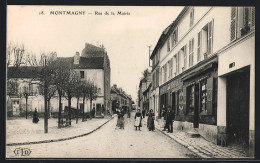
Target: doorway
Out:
[238,85]
[98,110]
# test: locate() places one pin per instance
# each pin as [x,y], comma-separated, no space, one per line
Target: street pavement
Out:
[110,142]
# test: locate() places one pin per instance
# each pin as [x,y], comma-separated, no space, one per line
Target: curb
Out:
[184,144]
[57,140]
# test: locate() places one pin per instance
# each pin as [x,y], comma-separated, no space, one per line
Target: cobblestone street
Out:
[111,142]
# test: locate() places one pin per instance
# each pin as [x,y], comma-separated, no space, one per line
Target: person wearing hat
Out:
[150,120]
[169,119]
[138,119]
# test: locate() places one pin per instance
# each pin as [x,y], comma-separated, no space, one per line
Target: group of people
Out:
[169,117]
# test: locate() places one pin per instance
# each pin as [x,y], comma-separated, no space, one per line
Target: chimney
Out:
[54,56]
[76,58]
[115,86]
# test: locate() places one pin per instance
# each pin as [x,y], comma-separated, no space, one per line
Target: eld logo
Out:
[22,152]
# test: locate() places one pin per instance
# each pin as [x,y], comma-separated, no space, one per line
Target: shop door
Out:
[174,102]
[238,108]
[98,110]
[196,107]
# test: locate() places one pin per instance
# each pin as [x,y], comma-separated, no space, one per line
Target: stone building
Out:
[92,65]
[204,68]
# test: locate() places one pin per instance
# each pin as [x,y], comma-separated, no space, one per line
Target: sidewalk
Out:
[23,131]
[200,146]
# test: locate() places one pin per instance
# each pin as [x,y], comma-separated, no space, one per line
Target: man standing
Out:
[169,120]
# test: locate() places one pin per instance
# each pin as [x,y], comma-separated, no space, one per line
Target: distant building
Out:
[90,67]
[119,98]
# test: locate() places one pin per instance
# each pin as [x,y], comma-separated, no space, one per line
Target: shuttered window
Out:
[233,23]
[210,37]
[199,48]
[185,56]
[191,52]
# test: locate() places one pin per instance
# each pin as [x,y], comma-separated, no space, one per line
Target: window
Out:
[165,73]
[191,52]
[154,80]
[242,21]
[161,74]
[170,68]
[82,74]
[157,77]
[184,55]
[174,37]
[198,47]
[206,39]
[168,45]
[191,17]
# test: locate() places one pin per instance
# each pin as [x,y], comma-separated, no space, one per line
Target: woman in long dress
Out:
[150,120]
[138,119]
[121,120]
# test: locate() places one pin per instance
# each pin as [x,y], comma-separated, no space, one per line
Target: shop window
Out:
[191,99]
[203,96]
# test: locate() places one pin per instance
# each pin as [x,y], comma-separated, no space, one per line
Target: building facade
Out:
[120,99]
[204,59]
[95,69]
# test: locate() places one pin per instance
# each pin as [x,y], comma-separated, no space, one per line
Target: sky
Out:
[125,37]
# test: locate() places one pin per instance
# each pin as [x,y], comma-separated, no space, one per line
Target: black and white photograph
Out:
[142,82]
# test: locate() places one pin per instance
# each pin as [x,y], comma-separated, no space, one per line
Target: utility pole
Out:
[149,55]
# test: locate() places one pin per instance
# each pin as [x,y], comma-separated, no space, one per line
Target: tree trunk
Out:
[77,115]
[48,104]
[45,112]
[83,115]
[69,103]
[26,102]
[59,114]
[91,108]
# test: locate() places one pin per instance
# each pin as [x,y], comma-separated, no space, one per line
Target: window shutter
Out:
[253,16]
[209,95]
[233,23]
[210,37]
[184,101]
[185,57]
[176,34]
[199,45]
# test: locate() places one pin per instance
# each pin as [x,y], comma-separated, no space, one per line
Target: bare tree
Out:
[93,93]
[69,90]
[78,84]
[85,95]
[15,55]
[61,72]
[44,68]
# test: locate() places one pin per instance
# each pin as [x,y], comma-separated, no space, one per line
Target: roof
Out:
[22,72]
[168,30]
[92,51]
[85,63]
[31,71]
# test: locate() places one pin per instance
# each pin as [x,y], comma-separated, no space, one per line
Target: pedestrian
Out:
[93,112]
[128,112]
[138,119]
[35,116]
[121,123]
[150,120]
[143,112]
[164,117]
[170,117]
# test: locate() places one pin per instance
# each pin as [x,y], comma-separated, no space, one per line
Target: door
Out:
[238,108]
[196,107]
[98,110]
[174,102]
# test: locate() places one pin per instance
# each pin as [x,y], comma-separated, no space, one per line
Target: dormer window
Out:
[191,17]
[82,74]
